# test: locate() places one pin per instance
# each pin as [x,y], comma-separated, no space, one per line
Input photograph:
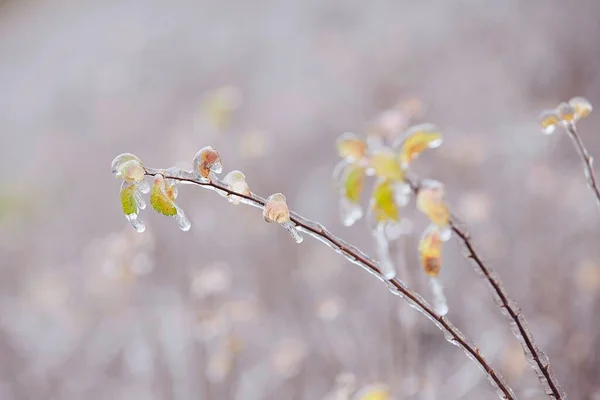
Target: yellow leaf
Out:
[549,120]
[159,199]
[383,202]
[351,147]
[430,250]
[385,165]
[417,139]
[566,112]
[582,107]
[430,201]
[353,181]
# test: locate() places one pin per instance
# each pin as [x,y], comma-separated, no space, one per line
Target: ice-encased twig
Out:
[588,161]
[357,257]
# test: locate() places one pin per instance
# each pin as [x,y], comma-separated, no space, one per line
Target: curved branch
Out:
[519,326]
[356,256]
[587,161]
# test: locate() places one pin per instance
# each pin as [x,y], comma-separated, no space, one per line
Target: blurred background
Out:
[234,309]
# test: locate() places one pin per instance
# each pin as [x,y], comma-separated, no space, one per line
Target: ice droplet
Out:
[182,221]
[293,231]
[143,186]
[385,263]
[350,212]
[139,199]
[439,299]
[137,224]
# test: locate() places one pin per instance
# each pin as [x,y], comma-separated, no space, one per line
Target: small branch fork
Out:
[356,256]
[519,326]
[586,159]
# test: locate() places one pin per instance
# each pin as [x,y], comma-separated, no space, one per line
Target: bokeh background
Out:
[234,309]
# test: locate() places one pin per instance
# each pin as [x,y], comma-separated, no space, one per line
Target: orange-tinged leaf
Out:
[384,164]
[159,199]
[351,147]
[416,140]
[383,202]
[582,107]
[430,201]
[430,251]
[549,120]
[353,180]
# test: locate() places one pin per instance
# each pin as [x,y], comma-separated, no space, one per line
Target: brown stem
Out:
[395,285]
[586,159]
[519,326]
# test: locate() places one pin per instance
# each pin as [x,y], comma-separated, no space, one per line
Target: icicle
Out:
[137,224]
[385,263]
[350,212]
[182,221]
[439,299]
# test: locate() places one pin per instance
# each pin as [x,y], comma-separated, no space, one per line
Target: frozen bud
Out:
[207,162]
[384,164]
[351,148]
[130,203]
[549,120]
[276,210]
[162,199]
[582,107]
[430,251]
[236,182]
[350,190]
[128,167]
[430,201]
[416,140]
[373,392]
[566,113]
[383,205]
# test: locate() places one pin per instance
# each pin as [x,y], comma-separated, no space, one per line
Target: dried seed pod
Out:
[415,140]
[207,162]
[350,147]
[430,201]
[549,120]
[383,202]
[582,107]
[276,210]
[384,164]
[430,251]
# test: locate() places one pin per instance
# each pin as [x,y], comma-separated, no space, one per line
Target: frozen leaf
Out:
[384,164]
[236,182]
[430,201]
[430,251]
[162,199]
[566,113]
[276,210]
[416,139]
[207,162]
[549,120]
[383,202]
[373,392]
[350,189]
[582,107]
[119,161]
[350,147]
[385,262]
[131,205]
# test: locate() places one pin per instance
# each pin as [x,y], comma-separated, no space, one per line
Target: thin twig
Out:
[519,326]
[586,159]
[356,256]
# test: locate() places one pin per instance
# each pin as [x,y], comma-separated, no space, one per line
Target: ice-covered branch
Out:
[354,255]
[519,326]
[587,161]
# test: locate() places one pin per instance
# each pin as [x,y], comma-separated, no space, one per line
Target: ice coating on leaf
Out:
[393,230]
[128,167]
[206,162]
[385,262]
[582,107]
[416,139]
[350,147]
[293,231]
[430,201]
[118,161]
[353,180]
[160,200]
[384,164]
[402,193]
[373,392]
[566,113]
[137,224]
[236,182]
[350,212]
[128,199]
[383,202]
[439,299]
[276,209]
[430,251]
[549,120]
[139,199]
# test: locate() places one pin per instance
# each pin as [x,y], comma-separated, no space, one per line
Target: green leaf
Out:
[128,202]
[160,200]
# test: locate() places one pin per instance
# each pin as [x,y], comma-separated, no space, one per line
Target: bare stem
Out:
[519,326]
[586,159]
[356,256]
